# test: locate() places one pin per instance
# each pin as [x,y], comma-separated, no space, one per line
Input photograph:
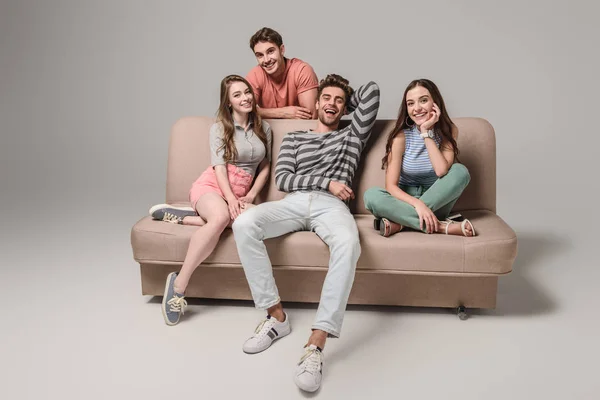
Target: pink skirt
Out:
[239,180]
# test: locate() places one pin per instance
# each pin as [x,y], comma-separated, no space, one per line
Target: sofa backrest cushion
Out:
[189,155]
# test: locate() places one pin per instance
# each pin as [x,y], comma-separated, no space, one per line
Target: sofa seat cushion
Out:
[162,242]
[491,252]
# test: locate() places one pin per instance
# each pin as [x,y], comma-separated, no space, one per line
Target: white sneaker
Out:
[268,331]
[309,371]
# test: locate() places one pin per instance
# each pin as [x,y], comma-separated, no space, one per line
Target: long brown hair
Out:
[443,126]
[225,116]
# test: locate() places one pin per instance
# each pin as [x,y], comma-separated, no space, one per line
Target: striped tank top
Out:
[416,166]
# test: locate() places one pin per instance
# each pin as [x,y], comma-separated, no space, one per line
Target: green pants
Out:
[439,197]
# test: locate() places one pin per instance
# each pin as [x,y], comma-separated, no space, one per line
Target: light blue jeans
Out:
[320,212]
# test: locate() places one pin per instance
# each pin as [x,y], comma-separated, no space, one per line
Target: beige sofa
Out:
[409,268]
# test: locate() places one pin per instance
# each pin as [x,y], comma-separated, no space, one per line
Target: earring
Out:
[407,119]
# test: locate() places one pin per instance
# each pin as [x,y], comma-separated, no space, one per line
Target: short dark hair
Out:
[336,81]
[266,35]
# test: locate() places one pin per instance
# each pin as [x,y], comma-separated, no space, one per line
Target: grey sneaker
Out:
[169,213]
[173,304]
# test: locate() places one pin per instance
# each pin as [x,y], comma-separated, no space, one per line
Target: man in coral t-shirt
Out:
[284,87]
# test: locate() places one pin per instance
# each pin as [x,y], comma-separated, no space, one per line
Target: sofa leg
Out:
[461,311]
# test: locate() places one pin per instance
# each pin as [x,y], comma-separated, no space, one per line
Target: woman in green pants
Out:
[422,179]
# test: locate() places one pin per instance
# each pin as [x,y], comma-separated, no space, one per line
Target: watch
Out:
[429,134]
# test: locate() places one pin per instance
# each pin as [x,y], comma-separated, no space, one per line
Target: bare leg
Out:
[205,239]
[199,221]
[247,207]
[195,221]
[277,312]
[453,229]
[318,338]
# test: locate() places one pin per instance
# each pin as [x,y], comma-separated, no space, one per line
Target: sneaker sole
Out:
[164,302]
[310,390]
[376,223]
[382,229]
[159,206]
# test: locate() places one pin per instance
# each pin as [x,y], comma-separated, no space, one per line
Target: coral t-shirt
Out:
[298,78]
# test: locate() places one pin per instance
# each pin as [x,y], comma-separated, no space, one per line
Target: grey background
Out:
[88,93]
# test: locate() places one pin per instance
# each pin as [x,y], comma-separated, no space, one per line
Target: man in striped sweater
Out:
[316,168]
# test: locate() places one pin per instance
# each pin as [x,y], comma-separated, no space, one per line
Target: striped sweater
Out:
[309,161]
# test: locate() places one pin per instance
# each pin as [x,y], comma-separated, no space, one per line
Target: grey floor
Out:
[76,326]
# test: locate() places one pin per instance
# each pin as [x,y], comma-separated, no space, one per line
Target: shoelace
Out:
[311,360]
[172,218]
[177,304]
[261,328]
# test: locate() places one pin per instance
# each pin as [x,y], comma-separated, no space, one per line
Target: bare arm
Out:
[291,112]
[261,179]
[233,203]
[218,162]
[223,181]
[441,158]
[272,113]
[394,168]
[308,100]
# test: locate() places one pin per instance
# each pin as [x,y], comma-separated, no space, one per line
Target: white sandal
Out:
[462,227]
